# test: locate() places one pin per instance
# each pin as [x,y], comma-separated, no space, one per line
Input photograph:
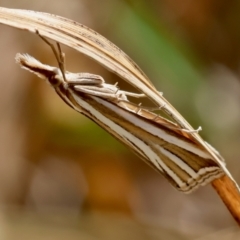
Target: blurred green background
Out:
[62,177]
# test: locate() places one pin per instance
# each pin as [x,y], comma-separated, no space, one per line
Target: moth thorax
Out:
[56,79]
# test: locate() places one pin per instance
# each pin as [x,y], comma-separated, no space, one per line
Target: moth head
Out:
[51,74]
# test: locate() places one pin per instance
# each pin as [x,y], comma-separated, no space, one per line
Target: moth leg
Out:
[152,109]
[59,55]
[136,95]
[84,79]
[61,62]
[97,92]
[192,131]
[130,94]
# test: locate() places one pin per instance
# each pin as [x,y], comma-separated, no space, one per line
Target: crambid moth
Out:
[159,142]
[94,45]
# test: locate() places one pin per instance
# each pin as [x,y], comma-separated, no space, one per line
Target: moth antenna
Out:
[60,56]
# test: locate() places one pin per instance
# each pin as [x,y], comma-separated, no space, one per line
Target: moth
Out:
[169,149]
[100,49]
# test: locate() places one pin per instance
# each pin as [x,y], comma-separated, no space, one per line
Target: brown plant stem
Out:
[230,195]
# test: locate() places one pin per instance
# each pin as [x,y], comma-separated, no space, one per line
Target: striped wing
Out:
[182,161]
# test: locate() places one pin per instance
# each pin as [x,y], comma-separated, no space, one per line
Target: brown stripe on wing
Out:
[209,168]
[192,160]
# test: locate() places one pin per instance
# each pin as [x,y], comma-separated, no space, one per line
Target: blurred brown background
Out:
[62,177]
